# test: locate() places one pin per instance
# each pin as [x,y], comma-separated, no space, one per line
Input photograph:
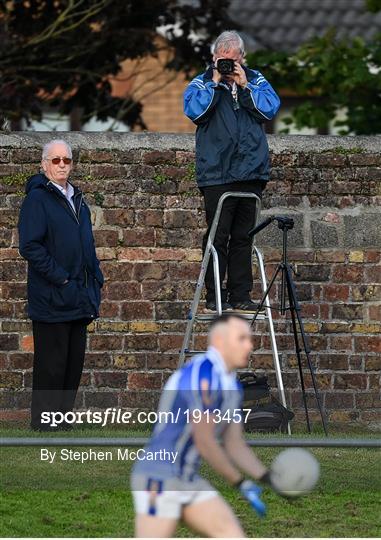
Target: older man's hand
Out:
[217,77]
[239,75]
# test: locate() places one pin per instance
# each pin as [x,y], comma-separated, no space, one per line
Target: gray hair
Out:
[228,40]
[47,147]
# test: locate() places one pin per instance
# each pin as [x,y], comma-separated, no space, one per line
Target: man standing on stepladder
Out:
[229,103]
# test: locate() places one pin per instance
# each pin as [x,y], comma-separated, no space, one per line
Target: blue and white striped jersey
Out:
[203,386]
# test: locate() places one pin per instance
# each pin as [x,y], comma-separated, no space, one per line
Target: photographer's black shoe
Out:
[212,308]
[246,306]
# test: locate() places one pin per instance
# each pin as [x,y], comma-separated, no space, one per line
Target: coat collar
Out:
[51,185]
[64,202]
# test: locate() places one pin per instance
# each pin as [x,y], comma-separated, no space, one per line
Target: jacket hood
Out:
[40,180]
[36,181]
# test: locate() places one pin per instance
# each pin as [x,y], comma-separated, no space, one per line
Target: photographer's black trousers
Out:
[231,241]
[59,353]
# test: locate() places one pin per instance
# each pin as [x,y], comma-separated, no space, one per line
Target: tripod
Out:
[288,289]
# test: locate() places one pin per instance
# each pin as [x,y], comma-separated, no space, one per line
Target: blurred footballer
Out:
[167,491]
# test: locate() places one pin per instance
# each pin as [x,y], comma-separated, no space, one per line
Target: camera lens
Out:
[225,66]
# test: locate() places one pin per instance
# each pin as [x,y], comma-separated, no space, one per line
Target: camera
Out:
[225,66]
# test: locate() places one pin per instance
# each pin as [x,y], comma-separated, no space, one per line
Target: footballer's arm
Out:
[240,453]
[211,450]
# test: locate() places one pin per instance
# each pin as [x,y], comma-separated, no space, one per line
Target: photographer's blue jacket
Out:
[231,143]
[58,244]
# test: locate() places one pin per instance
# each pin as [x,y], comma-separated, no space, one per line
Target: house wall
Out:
[159,90]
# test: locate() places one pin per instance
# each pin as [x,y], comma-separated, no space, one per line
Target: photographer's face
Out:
[232,54]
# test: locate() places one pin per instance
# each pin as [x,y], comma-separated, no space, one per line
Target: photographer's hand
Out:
[217,77]
[239,75]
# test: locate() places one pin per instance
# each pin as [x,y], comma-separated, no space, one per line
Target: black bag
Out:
[267,413]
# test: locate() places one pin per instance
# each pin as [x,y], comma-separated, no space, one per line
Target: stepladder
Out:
[195,316]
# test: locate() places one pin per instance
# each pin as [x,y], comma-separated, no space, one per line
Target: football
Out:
[295,472]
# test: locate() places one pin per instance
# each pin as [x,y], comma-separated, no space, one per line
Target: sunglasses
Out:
[57,160]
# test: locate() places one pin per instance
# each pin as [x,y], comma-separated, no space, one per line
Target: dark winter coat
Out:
[58,244]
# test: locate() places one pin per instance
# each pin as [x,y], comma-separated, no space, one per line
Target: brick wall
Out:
[148,222]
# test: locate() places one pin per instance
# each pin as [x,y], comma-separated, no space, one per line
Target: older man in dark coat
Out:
[64,280]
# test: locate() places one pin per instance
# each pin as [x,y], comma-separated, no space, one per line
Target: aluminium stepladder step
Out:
[194,316]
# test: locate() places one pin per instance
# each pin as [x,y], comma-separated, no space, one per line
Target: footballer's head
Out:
[231,335]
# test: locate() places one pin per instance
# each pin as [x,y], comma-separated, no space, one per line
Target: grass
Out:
[70,499]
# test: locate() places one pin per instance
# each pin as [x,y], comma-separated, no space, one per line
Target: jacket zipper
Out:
[72,209]
[67,202]
[77,218]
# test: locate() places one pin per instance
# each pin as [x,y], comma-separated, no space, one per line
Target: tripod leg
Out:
[264,297]
[295,309]
[298,350]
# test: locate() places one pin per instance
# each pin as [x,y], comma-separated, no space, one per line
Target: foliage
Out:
[99,198]
[160,178]
[17,179]
[191,172]
[373,5]
[332,75]
[344,151]
[61,54]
